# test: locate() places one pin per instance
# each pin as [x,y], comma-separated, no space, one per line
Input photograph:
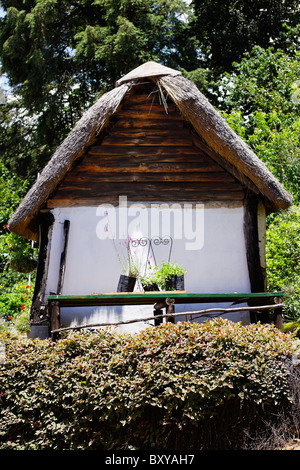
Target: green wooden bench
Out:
[257,304]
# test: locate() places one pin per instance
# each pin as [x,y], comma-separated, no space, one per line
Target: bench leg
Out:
[169,311]
[158,321]
[54,317]
[278,319]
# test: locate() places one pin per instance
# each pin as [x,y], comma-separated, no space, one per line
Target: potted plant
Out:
[149,282]
[170,276]
[130,266]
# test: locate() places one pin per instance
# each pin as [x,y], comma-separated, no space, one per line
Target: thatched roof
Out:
[147,70]
[195,108]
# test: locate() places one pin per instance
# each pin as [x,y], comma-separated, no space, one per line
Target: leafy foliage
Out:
[17,255]
[19,150]
[109,391]
[274,137]
[261,103]
[59,56]
[15,250]
[228,29]
[15,307]
[162,274]
[283,258]
[263,80]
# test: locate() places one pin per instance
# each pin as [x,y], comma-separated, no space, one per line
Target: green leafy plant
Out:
[283,259]
[148,282]
[148,279]
[261,100]
[165,271]
[156,389]
[15,306]
[128,259]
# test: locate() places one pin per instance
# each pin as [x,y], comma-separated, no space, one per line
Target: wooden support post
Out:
[170,310]
[157,321]
[54,317]
[158,312]
[63,257]
[278,319]
[255,270]
[252,244]
[38,313]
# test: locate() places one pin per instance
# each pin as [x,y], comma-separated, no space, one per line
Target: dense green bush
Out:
[152,390]
[14,303]
[283,259]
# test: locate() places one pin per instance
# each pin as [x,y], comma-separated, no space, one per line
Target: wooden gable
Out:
[148,153]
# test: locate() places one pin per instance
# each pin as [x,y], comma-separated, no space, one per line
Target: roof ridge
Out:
[148,69]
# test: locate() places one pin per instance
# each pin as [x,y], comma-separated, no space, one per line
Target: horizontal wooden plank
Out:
[152,103]
[164,187]
[151,297]
[142,97]
[148,122]
[150,172]
[226,165]
[148,140]
[118,165]
[146,86]
[152,96]
[153,197]
[94,198]
[140,150]
[144,187]
[149,111]
[150,132]
[156,114]
[141,175]
[186,160]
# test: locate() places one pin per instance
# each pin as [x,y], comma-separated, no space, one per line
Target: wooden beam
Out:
[62,266]
[54,318]
[252,246]
[148,140]
[148,175]
[130,123]
[85,199]
[38,312]
[143,150]
[155,114]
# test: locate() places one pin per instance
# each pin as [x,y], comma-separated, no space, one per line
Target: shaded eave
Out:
[195,108]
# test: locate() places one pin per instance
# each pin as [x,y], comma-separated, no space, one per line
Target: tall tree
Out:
[58,55]
[228,28]
[261,99]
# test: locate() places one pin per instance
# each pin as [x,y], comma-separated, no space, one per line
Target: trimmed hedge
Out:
[157,389]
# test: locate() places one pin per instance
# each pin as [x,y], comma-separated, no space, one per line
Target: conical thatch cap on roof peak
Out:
[148,69]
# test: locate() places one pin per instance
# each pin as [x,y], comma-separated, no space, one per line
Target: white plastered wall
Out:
[207,240]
